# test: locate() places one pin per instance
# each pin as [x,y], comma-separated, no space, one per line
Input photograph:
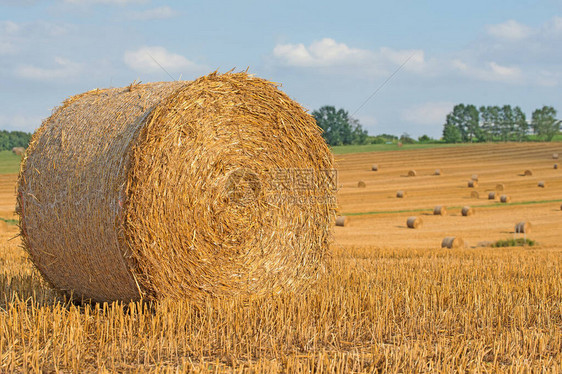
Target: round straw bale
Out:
[18,151]
[474,194]
[361,184]
[555,156]
[528,173]
[452,242]
[437,172]
[342,221]
[492,196]
[440,210]
[467,211]
[474,177]
[500,187]
[414,222]
[412,173]
[472,183]
[178,189]
[375,167]
[523,228]
[542,184]
[401,194]
[555,166]
[505,199]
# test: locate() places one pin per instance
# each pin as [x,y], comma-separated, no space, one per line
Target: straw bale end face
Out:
[467,211]
[414,222]
[209,189]
[452,242]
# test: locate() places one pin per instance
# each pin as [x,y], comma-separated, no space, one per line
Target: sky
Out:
[321,52]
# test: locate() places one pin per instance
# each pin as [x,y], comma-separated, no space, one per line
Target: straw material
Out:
[452,242]
[178,189]
[440,210]
[412,173]
[500,187]
[361,184]
[528,173]
[401,194]
[474,194]
[492,196]
[342,221]
[375,167]
[472,183]
[414,222]
[3,226]
[523,228]
[474,177]
[541,184]
[505,199]
[467,211]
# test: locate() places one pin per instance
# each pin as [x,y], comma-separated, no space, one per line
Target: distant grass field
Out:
[346,149]
[9,162]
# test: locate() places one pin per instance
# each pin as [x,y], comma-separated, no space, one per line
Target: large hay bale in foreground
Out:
[220,186]
[452,242]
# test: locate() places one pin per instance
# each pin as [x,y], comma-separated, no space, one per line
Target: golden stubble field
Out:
[391,300]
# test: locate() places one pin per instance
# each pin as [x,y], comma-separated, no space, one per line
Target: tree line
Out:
[466,123]
[11,139]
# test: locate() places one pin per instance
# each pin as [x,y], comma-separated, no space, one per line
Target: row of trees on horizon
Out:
[466,123]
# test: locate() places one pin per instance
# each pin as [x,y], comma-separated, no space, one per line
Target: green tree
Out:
[339,127]
[544,123]
[521,125]
[471,123]
[451,133]
[465,118]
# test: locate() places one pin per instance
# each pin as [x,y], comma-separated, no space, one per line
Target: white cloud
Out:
[62,68]
[153,59]
[430,113]
[162,12]
[20,122]
[510,30]
[490,71]
[329,54]
[114,2]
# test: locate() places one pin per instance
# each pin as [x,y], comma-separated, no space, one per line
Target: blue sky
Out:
[322,52]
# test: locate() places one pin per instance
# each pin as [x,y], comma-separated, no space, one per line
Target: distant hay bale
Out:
[375,167]
[361,184]
[523,228]
[500,187]
[474,177]
[505,199]
[412,173]
[472,183]
[437,172]
[555,156]
[528,173]
[492,196]
[452,242]
[541,184]
[400,194]
[474,195]
[467,211]
[555,166]
[19,151]
[440,210]
[342,221]
[414,222]
[217,187]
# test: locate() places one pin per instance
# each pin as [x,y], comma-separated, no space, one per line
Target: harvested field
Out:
[391,299]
